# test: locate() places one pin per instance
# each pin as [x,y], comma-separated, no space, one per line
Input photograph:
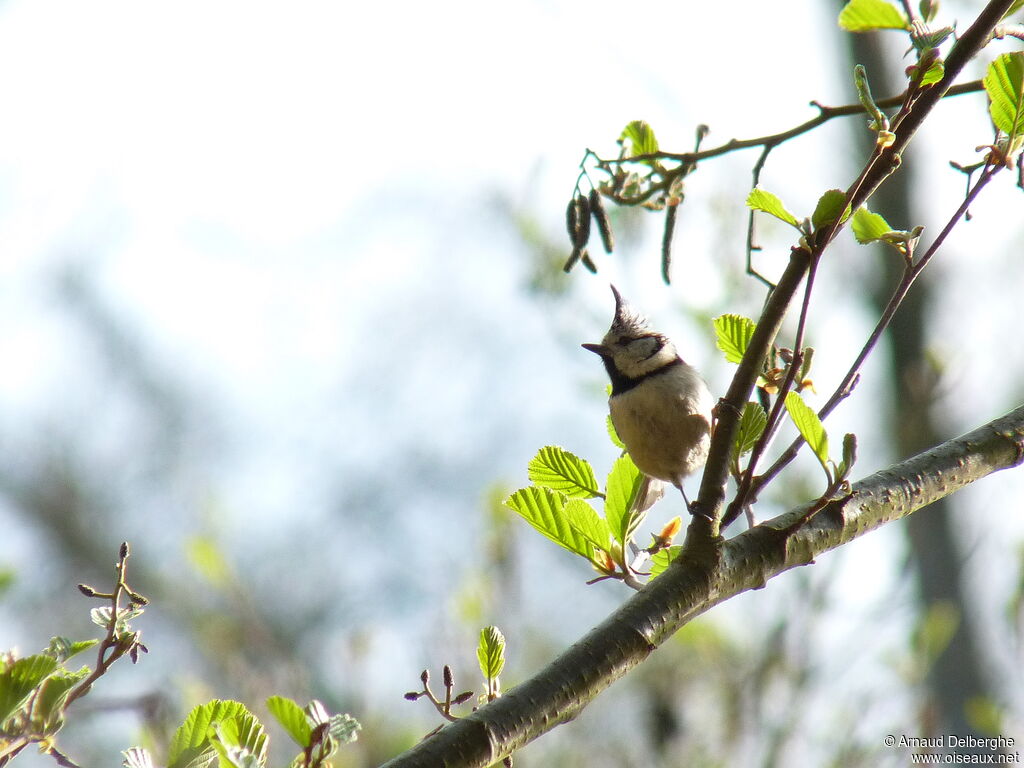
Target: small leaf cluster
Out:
[36,691]
[830,209]
[490,654]
[925,40]
[639,176]
[226,734]
[558,506]
[33,696]
[1004,84]
[733,334]
[869,227]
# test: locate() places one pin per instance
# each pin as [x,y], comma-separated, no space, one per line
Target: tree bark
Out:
[689,587]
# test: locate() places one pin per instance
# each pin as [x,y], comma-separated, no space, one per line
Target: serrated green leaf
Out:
[849,455]
[661,559]
[62,649]
[831,206]
[641,138]
[20,679]
[864,15]
[52,694]
[554,467]
[935,73]
[809,425]
[491,652]
[243,735]
[733,334]
[544,509]
[623,484]
[762,200]
[191,747]
[136,757]
[584,519]
[291,717]
[868,226]
[1004,84]
[752,423]
[343,728]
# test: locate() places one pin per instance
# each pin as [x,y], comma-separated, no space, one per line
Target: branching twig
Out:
[910,274]
[705,526]
[771,141]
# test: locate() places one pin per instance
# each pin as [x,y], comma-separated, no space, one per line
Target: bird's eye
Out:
[647,346]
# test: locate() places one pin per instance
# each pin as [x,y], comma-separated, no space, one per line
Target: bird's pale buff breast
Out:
[663,430]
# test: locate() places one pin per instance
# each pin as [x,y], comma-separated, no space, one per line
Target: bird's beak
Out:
[598,349]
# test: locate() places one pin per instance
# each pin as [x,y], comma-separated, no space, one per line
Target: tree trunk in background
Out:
[957,675]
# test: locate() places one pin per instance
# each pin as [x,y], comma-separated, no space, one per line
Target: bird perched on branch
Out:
[660,406]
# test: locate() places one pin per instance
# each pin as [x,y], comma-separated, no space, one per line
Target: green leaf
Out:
[879,122]
[207,558]
[1004,84]
[868,227]
[1016,6]
[623,484]
[640,138]
[291,717]
[732,335]
[809,425]
[831,206]
[137,757]
[616,441]
[660,561]
[191,747]
[544,509]
[20,679]
[344,728]
[52,694]
[584,519]
[556,468]
[849,455]
[752,424]
[62,649]
[7,576]
[241,733]
[864,15]
[934,631]
[761,200]
[935,73]
[491,652]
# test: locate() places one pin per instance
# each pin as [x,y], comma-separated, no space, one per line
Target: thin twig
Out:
[909,276]
[824,115]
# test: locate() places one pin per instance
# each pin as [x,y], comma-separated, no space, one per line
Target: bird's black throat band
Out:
[623,383]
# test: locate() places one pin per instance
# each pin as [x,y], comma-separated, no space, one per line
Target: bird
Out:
[660,406]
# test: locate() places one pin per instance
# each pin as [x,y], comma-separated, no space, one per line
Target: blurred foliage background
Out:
[282,306]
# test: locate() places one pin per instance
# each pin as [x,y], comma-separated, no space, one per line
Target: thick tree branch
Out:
[689,587]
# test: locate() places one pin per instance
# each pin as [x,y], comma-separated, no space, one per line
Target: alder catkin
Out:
[583,216]
[604,224]
[588,262]
[666,242]
[573,258]
[572,221]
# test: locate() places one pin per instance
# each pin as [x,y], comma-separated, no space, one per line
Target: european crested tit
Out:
[660,406]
